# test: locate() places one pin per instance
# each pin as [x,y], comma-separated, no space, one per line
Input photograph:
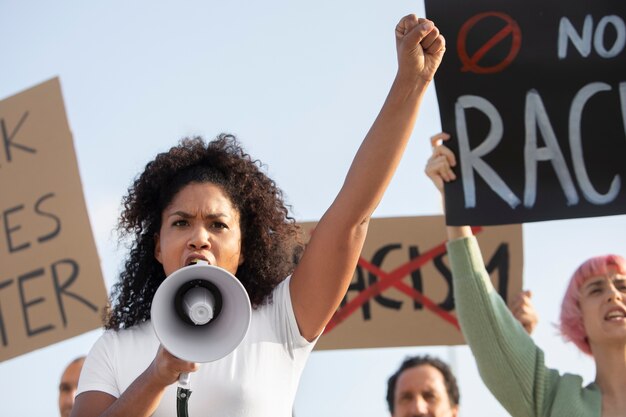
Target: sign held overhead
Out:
[534,96]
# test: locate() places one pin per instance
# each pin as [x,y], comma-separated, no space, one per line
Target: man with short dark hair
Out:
[68,385]
[423,386]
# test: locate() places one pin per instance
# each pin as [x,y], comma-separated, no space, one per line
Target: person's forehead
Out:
[421,377]
[203,195]
[597,280]
[72,372]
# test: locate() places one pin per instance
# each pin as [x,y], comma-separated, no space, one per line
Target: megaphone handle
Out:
[183,379]
[182,398]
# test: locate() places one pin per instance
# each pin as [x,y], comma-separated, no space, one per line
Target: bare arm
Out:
[324,273]
[142,397]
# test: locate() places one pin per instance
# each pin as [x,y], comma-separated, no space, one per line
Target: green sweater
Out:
[509,363]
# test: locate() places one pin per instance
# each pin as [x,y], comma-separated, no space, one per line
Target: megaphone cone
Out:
[201,313]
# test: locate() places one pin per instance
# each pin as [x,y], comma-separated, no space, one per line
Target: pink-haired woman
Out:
[593,316]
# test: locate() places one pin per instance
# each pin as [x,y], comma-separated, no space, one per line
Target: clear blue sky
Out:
[300,83]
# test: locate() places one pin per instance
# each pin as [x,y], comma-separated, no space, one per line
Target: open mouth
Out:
[615,315]
[193,260]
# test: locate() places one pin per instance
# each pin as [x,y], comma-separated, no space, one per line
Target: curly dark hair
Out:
[270,236]
[449,379]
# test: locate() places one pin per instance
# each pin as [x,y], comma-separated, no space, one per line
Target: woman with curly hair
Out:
[212,202]
[593,317]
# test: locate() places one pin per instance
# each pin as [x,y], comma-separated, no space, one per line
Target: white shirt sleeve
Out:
[98,370]
[285,319]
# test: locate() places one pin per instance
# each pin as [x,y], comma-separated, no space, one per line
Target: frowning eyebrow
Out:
[179,213]
[186,215]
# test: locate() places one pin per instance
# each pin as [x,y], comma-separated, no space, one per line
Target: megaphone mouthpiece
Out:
[198,304]
[198,301]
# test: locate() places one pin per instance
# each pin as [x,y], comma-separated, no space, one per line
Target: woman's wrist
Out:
[458,232]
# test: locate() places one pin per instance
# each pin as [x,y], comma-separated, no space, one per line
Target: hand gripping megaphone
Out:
[200,313]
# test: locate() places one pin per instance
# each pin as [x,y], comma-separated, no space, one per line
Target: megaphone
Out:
[201,313]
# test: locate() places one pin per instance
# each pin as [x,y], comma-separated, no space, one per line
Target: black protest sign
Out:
[51,285]
[534,96]
[401,291]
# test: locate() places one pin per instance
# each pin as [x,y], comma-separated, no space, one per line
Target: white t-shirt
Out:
[259,378]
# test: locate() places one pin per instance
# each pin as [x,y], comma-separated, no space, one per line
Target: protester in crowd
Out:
[212,202]
[593,316]
[426,386]
[423,386]
[68,385]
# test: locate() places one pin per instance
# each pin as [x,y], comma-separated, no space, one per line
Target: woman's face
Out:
[603,308]
[200,223]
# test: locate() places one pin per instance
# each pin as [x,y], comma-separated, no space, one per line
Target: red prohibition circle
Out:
[471,63]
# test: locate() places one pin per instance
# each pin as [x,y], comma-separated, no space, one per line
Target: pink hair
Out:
[571,325]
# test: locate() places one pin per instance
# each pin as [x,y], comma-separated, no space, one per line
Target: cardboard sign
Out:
[401,292]
[534,96]
[51,285]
